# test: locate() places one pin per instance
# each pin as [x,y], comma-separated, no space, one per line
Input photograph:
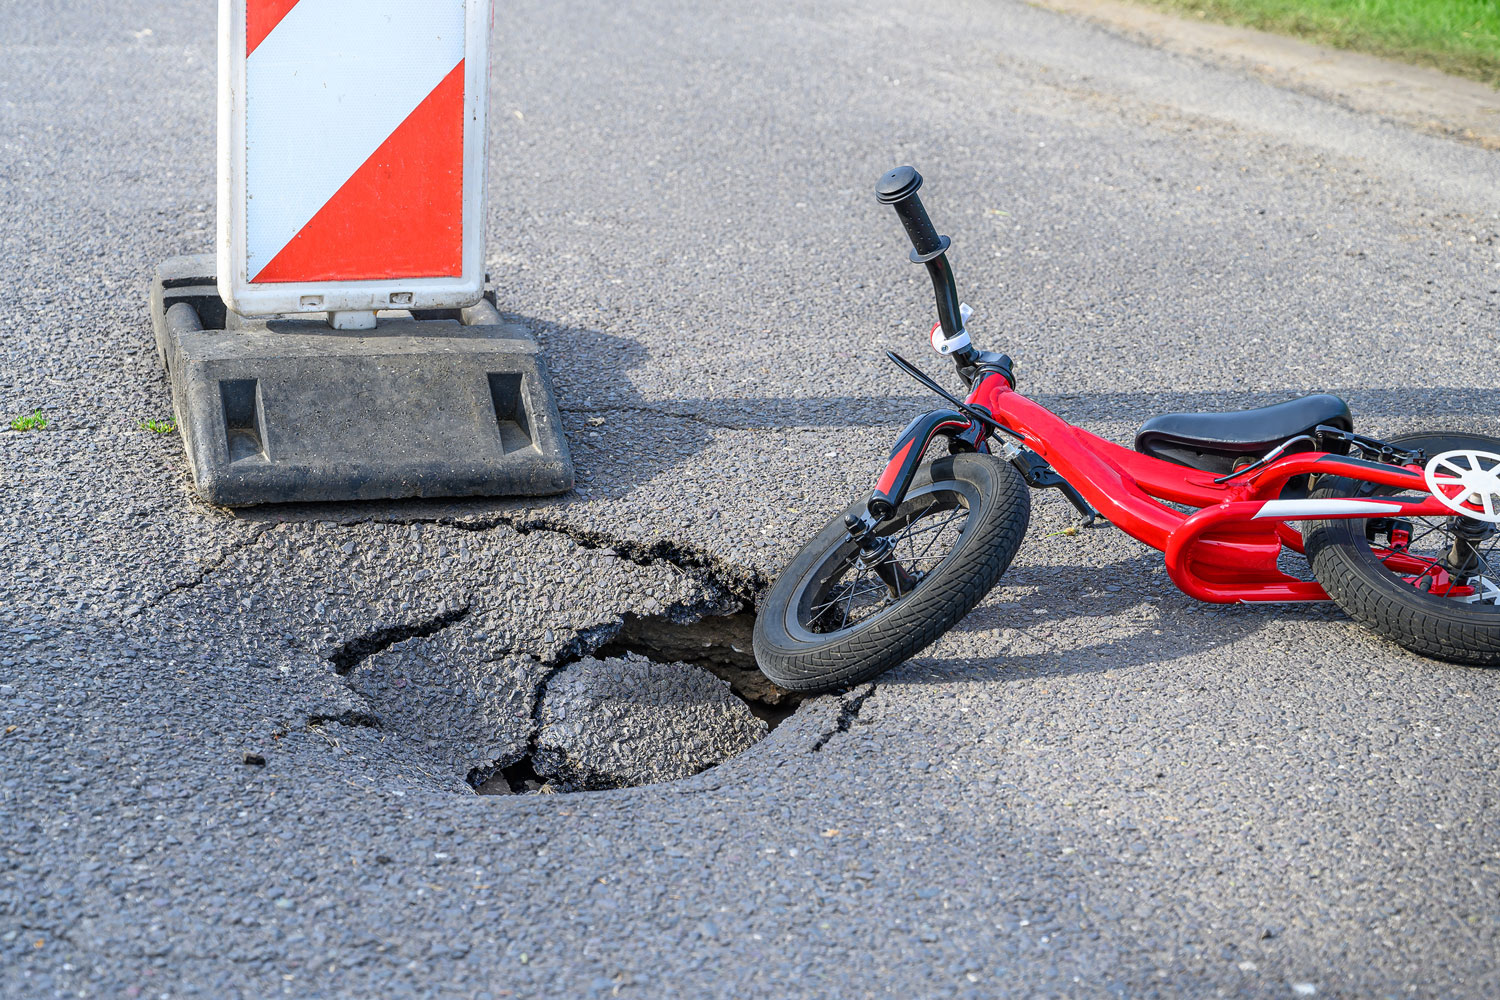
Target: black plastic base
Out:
[450,403]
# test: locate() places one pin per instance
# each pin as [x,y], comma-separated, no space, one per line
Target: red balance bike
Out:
[1403,534]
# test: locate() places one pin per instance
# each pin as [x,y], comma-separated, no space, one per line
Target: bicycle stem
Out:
[946,293]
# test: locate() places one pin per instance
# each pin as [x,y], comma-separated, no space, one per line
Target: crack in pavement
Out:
[353,717]
[216,564]
[353,652]
[693,417]
[848,713]
[743,582]
[479,776]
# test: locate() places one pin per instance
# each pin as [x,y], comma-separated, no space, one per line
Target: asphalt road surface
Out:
[1092,787]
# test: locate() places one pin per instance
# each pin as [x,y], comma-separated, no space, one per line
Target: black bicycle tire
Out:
[939,602]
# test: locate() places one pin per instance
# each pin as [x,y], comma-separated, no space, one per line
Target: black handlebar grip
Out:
[898,188]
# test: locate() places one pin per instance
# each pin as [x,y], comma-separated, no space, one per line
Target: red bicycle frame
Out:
[1226,549]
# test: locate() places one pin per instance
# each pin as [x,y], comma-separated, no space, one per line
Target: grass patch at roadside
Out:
[33,422]
[1457,36]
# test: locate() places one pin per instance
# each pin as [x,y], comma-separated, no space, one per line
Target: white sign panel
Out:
[351,154]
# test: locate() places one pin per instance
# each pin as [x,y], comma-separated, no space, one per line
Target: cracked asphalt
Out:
[1092,787]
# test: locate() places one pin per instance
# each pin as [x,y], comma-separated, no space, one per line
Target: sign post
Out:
[352,163]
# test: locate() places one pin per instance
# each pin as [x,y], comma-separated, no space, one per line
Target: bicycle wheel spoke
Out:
[817,610]
[930,543]
[960,512]
[937,535]
[905,534]
[1430,528]
[1485,564]
[1491,550]
[850,592]
[922,540]
[1427,563]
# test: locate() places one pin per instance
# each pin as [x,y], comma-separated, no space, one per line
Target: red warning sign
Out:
[352,154]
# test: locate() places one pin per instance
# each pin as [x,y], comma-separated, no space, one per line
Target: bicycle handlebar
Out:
[898,188]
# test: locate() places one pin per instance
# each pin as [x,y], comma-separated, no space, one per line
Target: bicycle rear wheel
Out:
[1431,584]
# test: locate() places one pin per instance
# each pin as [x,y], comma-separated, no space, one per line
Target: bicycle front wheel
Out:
[829,621]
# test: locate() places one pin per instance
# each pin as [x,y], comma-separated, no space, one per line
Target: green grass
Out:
[35,422]
[1456,36]
[158,426]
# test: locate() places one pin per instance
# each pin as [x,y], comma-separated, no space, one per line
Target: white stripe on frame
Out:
[1324,508]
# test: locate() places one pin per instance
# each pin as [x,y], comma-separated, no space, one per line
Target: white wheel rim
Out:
[1467,482]
[1486,591]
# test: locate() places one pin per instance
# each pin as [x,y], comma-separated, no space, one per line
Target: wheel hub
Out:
[876,554]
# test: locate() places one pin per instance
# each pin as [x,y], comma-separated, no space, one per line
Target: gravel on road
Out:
[239,750]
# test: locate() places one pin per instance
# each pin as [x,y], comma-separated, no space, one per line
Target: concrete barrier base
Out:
[448,403]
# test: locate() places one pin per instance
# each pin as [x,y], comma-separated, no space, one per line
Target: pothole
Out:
[641,709]
[720,644]
[519,778]
[653,698]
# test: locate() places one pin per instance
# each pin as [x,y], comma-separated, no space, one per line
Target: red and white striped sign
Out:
[351,154]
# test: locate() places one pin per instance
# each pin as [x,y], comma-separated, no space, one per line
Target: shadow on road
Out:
[1099,631]
[606,416]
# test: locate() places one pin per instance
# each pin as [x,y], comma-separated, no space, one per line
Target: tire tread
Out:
[963,583]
